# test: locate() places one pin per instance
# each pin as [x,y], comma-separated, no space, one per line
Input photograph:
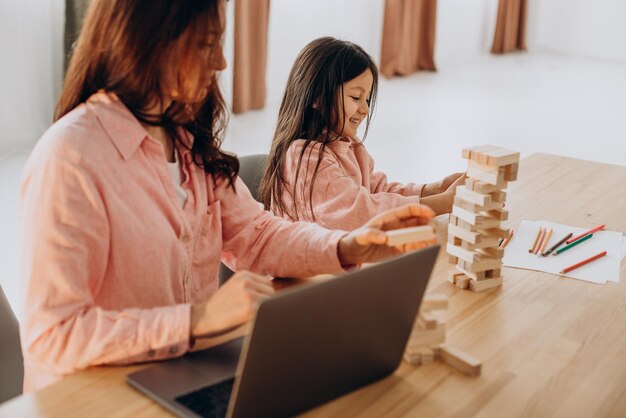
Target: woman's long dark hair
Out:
[121,49]
[309,111]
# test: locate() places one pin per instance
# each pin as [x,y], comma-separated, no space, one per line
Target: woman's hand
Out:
[369,242]
[234,304]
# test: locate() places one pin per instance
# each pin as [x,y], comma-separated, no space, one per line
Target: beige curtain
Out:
[408,37]
[510,27]
[249,66]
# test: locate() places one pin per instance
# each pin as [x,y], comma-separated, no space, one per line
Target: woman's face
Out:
[197,56]
[355,99]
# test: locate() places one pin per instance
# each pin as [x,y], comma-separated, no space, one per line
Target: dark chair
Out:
[11,361]
[251,169]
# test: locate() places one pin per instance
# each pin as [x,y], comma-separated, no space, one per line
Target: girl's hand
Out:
[234,304]
[452,181]
[369,242]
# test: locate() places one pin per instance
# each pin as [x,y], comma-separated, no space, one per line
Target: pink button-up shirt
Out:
[347,192]
[112,262]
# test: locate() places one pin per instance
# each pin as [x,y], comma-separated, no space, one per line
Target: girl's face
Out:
[355,98]
[196,57]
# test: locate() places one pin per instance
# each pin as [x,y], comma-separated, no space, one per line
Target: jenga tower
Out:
[475,223]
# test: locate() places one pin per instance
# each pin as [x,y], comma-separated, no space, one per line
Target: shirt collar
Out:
[120,124]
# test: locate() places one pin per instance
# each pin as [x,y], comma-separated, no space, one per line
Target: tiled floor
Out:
[530,103]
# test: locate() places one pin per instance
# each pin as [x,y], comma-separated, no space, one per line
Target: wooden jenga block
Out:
[462,281]
[496,252]
[453,239]
[427,337]
[461,233]
[452,259]
[428,356]
[492,177]
[436,302]
[498,196]
[481,285]
[452,276]
[493,274]
[495,232]
[472,207]
[483,264]
[426,321]
[475,276]
[477,220]
[510,172]
[461,253]
[410,235]
[476,198]
[491,155]
[499,214]
[486,241]
[481,186]
[414,359]
[461,361]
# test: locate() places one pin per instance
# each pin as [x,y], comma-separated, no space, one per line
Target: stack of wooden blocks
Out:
[475,228]
[426,343]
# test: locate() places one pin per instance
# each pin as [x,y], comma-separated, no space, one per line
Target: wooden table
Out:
[550,346]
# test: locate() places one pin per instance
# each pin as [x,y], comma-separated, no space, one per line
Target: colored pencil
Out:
[591,231]
[545,241]
[505,241]
[557,245]
[582,263]
[532,247]
[541,236]
[567,247]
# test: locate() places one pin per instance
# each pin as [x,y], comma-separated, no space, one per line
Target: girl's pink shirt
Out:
[112,263]
[347,192]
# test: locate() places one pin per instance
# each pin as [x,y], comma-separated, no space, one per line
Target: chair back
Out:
[251,169]
[11,361]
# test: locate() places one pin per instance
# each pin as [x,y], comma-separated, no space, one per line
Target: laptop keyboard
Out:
[211,401]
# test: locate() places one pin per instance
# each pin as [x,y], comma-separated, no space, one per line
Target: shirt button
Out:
[173,350]
[151,353]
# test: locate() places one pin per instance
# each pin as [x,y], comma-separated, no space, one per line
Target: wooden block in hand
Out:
[410,235]
[461,361]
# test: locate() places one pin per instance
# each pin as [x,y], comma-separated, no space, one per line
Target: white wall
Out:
[583,28]
[30,68]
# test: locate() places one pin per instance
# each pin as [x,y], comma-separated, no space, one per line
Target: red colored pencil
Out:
[582,263]
[591,231]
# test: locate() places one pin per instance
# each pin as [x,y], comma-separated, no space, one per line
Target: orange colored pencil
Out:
[505,241]
[591,231]
[545,241]
[532,247]
[582,263]
[540,240]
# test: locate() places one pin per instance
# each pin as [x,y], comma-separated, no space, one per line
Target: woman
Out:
[128,204]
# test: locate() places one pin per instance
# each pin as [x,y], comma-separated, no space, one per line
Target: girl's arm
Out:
[65,247]
[379,183]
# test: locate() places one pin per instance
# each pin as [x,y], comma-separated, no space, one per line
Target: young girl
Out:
[318,169]
[129,204]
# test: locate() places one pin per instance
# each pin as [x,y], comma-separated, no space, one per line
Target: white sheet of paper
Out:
[600,271]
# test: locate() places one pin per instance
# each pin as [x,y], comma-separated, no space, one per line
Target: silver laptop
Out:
[308,345]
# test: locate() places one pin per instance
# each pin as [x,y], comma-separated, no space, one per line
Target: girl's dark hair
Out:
[121,49]
[317,76]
